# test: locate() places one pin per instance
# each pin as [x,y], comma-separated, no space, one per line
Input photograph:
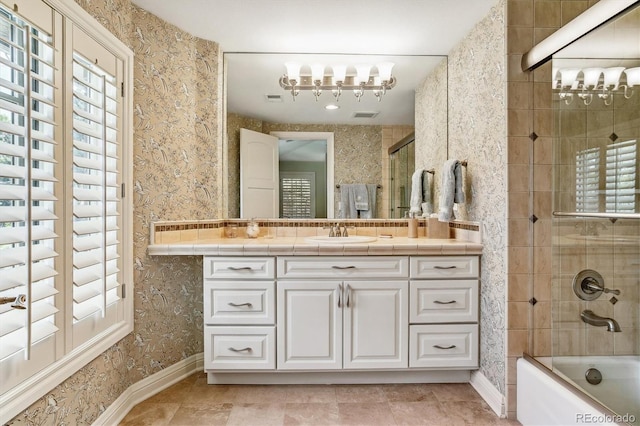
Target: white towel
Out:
[427,198]
[416,192]
[348,202]
[361,197]
[370,213]
[451,189]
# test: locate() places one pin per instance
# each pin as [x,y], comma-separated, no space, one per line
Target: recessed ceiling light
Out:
[331,106]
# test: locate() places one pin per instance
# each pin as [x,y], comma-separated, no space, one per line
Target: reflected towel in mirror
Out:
[451,189]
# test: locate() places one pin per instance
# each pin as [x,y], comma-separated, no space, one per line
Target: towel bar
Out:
[377,186]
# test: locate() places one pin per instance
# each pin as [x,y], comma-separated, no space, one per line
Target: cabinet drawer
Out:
[443,301]
[239,348]
[445,267]
[443,346]
[343,267]
[239,267]
[239,302]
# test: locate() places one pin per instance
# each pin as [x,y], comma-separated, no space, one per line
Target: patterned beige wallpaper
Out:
[477,133]
[176,159]
[431,125]
[357,150]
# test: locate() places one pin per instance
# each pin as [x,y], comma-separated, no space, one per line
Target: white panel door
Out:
[259,177]
[309,331]
[376,324]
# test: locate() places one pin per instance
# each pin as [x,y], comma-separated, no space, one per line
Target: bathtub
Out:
[546,398]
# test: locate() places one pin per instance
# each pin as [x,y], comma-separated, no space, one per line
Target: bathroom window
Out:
[588,180]
[621,176]
[606,178]
[297,193]
[65,226]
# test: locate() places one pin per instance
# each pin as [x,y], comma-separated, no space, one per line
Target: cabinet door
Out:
[309,329]
[376,324]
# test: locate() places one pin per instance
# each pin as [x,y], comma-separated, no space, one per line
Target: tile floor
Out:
[192,402]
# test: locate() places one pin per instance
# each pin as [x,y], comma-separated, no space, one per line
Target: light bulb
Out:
[339,73]
[384,70]
[317,72]
[293,71]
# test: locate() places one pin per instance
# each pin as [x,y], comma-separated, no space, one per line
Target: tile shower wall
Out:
[176,163]
[530,131]
[589,243]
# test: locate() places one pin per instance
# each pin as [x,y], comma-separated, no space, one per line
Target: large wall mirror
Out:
[335,146]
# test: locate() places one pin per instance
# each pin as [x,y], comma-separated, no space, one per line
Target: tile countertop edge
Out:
[297,247]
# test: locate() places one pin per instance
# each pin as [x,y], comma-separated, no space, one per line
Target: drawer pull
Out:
[240,268]
[440,302]
[445,267]
[444,347]
[247,349]
[343,267]
[237,305]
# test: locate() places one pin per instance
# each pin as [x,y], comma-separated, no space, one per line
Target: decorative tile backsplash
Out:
[171,232]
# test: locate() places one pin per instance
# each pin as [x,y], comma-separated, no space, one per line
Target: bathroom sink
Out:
[340,240]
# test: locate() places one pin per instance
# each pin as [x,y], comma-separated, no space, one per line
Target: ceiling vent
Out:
[273,98]
[364,114]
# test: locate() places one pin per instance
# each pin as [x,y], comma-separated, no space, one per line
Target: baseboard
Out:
[148,387]
[489,393]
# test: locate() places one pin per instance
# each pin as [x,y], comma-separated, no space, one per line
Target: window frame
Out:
[20,397]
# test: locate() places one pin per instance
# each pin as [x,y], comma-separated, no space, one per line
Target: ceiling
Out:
[410,33]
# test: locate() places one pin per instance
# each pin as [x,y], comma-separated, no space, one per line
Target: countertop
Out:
[300,246]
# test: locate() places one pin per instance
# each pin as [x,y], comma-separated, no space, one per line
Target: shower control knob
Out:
[589,285]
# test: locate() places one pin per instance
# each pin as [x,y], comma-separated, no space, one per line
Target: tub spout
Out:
[590,318]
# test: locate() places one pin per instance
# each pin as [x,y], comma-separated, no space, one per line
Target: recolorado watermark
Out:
[589,418]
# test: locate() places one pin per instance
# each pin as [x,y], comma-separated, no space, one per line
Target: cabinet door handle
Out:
[348,295]
[444,347]
[247,349]
[339,295]
[343,267]
[440,302]
[445,267]
[240,268]
[237,305]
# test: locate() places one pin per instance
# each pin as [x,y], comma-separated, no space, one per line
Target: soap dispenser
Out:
[253,230]
[413,225]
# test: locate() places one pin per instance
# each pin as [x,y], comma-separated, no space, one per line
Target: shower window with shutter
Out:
[65,229]
[606,178]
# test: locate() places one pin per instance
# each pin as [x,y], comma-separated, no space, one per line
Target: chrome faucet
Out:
[590,318]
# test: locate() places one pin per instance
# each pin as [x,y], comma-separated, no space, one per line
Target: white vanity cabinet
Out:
[239,313]
[317,318]
[342,313]
[444,312]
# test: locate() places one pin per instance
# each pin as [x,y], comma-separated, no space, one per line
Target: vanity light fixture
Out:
[340,79]
[587,82]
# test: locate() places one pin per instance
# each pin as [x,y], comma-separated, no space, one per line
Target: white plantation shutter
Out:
[606,178]
[297,194]
[30,222]
[96,187]
[620,189]
[588,180]
[65,225]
